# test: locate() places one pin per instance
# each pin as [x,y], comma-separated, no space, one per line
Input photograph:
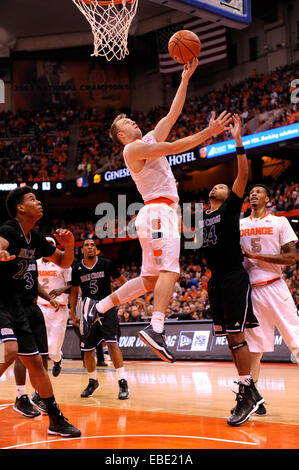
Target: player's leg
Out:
[110,332]
[9,352]
[88,347]
[235,296]
[22,403]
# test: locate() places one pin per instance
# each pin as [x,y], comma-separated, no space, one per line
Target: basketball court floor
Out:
[171,406]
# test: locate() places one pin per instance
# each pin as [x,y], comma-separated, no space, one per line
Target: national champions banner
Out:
[39,84]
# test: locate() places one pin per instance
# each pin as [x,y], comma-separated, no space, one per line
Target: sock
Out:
[104,305]
[51,406]
[157,321]
[245,379]
[92,375]
[120,373]
[21,390]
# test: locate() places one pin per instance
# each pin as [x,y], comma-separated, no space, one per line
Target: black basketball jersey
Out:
[95,282]
[30,281]
[221,236]
[18,273]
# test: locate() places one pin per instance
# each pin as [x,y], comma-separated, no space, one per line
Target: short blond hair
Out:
[114,129]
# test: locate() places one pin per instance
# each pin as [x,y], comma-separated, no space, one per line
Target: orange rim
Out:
[105,2]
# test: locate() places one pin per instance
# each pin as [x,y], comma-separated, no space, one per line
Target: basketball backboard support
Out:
[230,13]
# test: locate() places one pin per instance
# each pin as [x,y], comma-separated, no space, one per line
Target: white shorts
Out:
[157,228]
[273,306]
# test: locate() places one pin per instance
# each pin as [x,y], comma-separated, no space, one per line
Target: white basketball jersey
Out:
[156,178]
[51,276]
[265,235]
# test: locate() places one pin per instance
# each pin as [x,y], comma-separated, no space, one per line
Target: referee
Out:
[229,287]
[93,276]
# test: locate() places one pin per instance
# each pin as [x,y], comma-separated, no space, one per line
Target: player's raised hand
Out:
[189,69]
[220,124]
[5,256]
[236,129]
[64,237]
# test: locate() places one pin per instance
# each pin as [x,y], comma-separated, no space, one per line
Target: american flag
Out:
[213,42]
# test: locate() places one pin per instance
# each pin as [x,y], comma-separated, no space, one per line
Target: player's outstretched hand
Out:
[5,256]
[64,237]
[189,69]
[236,129]
[220,124]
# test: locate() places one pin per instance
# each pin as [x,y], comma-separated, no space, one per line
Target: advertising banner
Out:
[187,340]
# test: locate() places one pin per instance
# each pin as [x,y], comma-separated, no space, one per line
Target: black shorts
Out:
[24,323]
[108,331]
[230,302]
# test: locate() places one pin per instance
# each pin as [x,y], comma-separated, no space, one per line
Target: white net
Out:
[110,22]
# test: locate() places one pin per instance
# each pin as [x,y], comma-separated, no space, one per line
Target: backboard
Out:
[231,13]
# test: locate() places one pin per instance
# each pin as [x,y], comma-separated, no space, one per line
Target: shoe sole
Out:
[124,398]
[87,396]
[158,350]
[53,433]
[24,414]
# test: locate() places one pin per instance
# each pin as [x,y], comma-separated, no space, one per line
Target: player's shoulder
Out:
[149,138]
[77,266]
[245,220]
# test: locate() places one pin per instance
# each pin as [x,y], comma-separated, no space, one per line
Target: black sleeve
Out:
[10,235]
[75,281]
[114,272]
[234,202]
[44,248]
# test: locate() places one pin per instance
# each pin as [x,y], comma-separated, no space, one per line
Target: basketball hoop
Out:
[110,22]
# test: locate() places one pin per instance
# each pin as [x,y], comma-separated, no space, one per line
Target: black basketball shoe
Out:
[23,405]
[88,317]
[246,405]
[156,341]
[123,389]
[38,402]
[60,426]
[92,386]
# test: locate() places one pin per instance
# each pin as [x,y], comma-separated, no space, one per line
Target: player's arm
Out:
[64,258]
[164,126]
[287,257]
[62,290]
[242,176]
[44,295]
[4,254]
[73,299]
[139,150]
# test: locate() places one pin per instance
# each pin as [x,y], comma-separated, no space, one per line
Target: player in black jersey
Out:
[93,276]
[229,287]
[20,244]
[32,289]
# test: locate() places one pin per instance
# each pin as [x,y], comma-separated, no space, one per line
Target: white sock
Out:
[104,305]
[21,390]
[120,373]
[92,375]
[245,379]
[157,321]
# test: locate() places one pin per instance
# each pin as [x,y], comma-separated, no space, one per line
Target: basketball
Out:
[183,46]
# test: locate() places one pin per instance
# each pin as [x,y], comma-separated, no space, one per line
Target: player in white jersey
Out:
[269,243]
[56,281]
[157,222]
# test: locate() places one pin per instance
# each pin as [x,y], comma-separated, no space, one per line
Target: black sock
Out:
[51,405]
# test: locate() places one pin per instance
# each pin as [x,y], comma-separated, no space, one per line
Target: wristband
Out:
[240,150]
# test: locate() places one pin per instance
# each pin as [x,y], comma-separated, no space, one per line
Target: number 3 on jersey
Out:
[209,236]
